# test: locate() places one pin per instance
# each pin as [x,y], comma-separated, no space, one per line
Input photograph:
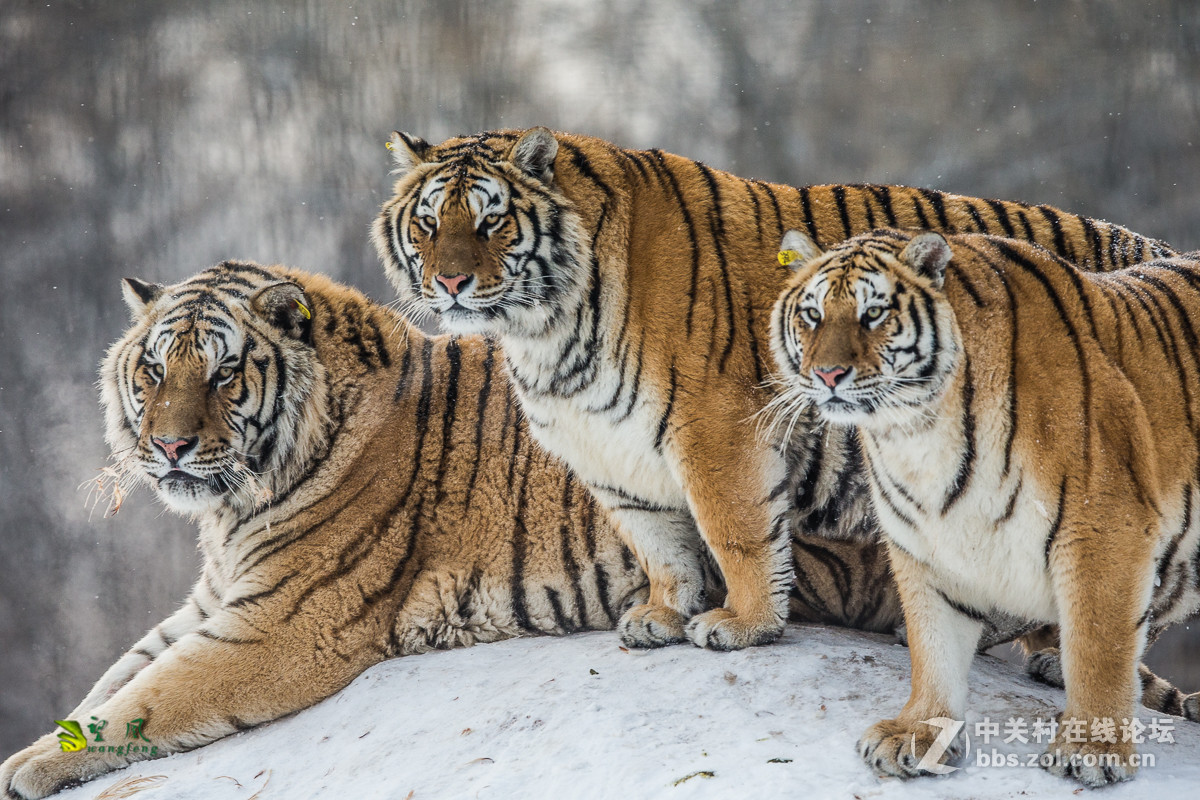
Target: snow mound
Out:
[580,717]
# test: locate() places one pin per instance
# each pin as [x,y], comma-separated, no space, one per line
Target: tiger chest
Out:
[983,534]
[616,454]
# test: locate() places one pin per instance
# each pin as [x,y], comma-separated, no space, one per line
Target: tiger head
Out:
[478,233]
[863,332]
[214,396]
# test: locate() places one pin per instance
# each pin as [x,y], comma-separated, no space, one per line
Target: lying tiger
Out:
[362,492]
[630,293]
[1033,440]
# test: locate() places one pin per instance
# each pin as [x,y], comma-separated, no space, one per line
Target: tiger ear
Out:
[139,295]
[408,152]
[797,248]
[287,307]
[534,153]
[928,255]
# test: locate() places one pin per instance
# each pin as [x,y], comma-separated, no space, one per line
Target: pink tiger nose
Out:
[453,283]
[171,447]
[830,376]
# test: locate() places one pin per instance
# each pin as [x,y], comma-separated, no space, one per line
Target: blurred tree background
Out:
[154,139]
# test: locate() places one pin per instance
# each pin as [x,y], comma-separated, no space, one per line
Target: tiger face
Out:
[862,332]
[208,394]
[478,235]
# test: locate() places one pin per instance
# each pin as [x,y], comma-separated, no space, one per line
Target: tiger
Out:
[1032,439]
[627,291]
[363,491]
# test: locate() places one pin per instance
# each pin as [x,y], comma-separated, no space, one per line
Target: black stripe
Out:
[966,464]
[806,209]
[965,610]
[1000,210]
[839,198]
[1058,518]
[489,363]
[666,415]
[449,412]
[937,200]
[884,195]
[1011,506]
[1061,246]
[662,167]
[716,220]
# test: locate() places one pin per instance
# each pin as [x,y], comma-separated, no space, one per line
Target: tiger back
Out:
[630,294]
[1033,439]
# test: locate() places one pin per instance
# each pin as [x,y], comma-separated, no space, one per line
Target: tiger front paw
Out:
[894,749]
[1091,763]
[1045,666]
[43,769]
[722,629]
[651,625]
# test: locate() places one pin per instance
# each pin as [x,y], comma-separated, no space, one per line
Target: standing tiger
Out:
[362,492]
[629,294]
[1032,437]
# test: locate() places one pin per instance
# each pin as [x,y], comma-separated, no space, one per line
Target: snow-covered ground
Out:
[580,717]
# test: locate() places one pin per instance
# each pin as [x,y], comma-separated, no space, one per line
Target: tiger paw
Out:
[1191,707]
[651,625]
[1045,666]
[1091,763]
[722,629]
[42,769]
[894,749]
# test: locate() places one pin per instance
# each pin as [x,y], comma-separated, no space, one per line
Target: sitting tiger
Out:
[1031,433]
[628,293]
[362,492]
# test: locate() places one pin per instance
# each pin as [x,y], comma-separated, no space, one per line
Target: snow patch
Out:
[581,717]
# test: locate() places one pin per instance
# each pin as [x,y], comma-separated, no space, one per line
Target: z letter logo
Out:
[930,761]
[71,738]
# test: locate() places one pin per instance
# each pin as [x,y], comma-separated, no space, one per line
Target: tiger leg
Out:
[198,691]
[669,549]
[148,648]
[941,645]
[727,489]
[1102,585]
[1044,664]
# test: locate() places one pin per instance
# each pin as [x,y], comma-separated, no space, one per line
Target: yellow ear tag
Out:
[786,257]
[303,309]
[388,145]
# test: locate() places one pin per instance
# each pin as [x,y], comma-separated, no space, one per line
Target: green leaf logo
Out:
[71,739]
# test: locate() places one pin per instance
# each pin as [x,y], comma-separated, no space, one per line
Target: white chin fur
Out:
[468,322]
[190,501]
[843,414]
